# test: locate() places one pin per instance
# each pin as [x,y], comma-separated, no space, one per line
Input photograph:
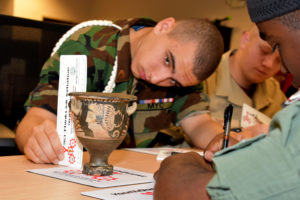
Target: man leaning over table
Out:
[265,167]
[155,61]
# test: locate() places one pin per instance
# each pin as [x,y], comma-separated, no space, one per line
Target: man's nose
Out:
[160,76]
[272,61]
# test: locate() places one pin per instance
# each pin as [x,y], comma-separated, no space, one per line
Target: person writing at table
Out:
[155,61]
[265,167]
[245,75]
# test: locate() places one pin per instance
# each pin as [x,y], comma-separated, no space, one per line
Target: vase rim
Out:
[101,95]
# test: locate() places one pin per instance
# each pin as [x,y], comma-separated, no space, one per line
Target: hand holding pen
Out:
[221,141]
[227,124]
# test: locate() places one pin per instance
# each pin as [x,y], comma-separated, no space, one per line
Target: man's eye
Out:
[167,60]
[274,48]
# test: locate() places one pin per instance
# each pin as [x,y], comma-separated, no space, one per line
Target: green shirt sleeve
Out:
[263,167]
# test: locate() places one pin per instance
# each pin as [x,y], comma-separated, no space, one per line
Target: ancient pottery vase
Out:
[101,123]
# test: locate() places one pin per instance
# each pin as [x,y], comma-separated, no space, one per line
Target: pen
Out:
[227,120]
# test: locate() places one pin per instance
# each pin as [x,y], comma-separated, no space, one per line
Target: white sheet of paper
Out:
[120,176]
[251,116]
[153,151]
[163,152]
[72,78]
[133,192]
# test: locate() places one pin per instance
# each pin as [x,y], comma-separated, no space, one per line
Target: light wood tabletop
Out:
[16,183]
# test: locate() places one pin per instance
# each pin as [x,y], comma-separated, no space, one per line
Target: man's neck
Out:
[250,91]
[235,72]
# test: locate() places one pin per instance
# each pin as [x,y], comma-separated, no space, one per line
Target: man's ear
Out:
[245,39]
[164,26]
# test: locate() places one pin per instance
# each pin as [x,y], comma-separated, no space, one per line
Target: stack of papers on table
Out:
[141,183]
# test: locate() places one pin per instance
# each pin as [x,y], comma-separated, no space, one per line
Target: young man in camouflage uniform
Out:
[155,61]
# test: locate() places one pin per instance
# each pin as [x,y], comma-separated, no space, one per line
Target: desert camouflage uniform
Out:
[100,44]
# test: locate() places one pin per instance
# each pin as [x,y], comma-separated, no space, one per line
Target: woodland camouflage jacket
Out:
[101,44]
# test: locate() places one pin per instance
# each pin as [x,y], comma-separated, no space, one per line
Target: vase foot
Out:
[97,170]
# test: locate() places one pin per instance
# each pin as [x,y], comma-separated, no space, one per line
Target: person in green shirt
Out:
[264,167]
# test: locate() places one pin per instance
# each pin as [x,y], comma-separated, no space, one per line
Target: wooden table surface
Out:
[16,183]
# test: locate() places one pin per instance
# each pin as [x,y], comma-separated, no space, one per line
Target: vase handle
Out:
[131,109]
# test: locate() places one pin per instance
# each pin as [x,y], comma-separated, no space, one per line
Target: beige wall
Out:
[69,10]
[81,10]
[159,9]
[6,7]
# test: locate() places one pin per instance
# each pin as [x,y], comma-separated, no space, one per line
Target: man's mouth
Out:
[143,75]
[262,73]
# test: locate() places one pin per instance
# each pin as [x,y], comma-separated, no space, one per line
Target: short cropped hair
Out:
[290,20]
[210,45]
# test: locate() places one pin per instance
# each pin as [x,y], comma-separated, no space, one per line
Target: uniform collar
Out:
[260,97]
[227,87]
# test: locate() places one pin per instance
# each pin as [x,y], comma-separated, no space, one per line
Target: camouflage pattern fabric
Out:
[101,44]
